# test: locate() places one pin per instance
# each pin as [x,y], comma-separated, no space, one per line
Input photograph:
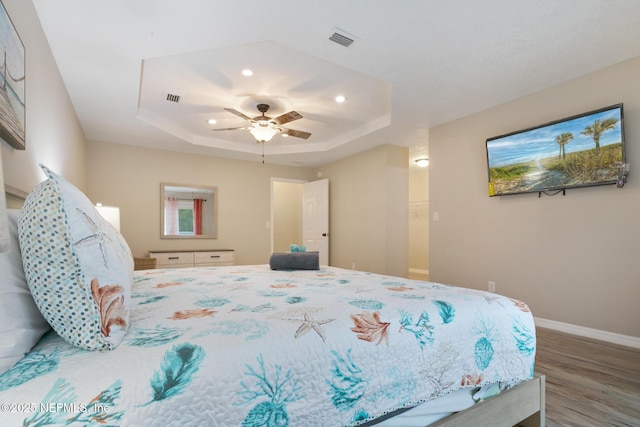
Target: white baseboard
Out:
[419,271]
[582,331]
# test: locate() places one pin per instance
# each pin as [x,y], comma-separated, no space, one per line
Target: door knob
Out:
[324,234]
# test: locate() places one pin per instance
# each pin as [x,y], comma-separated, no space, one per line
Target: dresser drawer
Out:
[213,258]
[203,258]
[173,259]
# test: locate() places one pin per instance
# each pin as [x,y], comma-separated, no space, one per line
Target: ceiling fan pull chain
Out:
[263,153]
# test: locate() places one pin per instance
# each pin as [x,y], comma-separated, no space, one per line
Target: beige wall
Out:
[53,134]
[130,177]
[368,206]
[573,259]
[368,202]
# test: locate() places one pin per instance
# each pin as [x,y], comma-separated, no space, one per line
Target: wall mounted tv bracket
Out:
[622,177]
[549,193]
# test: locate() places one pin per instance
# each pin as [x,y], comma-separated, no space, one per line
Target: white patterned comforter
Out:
[245,345]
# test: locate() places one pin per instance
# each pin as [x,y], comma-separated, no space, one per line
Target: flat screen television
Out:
[578,151]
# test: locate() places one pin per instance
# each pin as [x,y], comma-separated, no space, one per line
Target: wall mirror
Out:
[188,212]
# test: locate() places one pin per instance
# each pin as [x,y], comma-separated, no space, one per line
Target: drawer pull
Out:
[215,256]
[174,257]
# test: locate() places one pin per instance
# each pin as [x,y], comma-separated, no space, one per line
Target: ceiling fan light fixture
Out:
[263,133]
[423,162]
[264,128]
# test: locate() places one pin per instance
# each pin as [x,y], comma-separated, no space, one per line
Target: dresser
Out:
[196,258]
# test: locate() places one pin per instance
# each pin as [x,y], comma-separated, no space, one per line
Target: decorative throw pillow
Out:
[21,324]
[78,267]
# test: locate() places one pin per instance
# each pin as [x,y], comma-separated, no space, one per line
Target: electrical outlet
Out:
[492,286]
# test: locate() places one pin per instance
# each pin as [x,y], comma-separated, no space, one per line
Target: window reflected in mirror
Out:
[188,212]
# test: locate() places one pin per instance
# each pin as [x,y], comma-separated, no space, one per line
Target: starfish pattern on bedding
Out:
[491,299]
[439,387]
[309,324]
[97,238]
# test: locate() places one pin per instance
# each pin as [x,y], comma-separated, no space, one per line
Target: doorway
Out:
[419,224]
[286,214]
[300,216]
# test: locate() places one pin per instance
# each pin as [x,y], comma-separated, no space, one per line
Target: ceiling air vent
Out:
[342,38]
[173,98]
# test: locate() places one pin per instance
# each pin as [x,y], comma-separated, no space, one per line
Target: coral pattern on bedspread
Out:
[249,346]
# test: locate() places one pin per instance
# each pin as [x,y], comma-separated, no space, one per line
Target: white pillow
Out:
[21,324]
[78,267]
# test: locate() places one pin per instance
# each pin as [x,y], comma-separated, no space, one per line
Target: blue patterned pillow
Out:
[78,267]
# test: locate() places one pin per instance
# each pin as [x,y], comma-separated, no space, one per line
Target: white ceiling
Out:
[414,64]
[283,78]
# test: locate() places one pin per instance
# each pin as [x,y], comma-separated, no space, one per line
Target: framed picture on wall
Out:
[12,83]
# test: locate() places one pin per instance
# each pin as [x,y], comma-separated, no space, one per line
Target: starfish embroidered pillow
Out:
[78,267]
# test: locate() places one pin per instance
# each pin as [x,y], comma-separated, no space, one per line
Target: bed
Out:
[252,346]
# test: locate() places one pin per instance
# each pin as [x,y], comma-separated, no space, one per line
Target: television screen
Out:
[578,151]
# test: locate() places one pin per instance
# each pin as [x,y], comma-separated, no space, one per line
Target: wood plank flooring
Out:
[589,383]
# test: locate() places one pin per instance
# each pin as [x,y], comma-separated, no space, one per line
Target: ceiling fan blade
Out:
[287,117]
[215,130]
[239,114]
[296,133]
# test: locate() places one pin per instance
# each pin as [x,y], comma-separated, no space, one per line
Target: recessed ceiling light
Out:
[212,121]
[247,72]
[341,98]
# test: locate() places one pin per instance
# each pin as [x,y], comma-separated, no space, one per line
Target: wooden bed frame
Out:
[522,405]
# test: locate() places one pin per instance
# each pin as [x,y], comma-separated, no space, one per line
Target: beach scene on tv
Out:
[585,150]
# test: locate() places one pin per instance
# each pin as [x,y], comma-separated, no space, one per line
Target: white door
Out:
[315,218]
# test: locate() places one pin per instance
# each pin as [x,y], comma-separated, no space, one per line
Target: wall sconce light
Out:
[423,162]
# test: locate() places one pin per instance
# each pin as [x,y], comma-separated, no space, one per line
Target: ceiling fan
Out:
[263,128]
